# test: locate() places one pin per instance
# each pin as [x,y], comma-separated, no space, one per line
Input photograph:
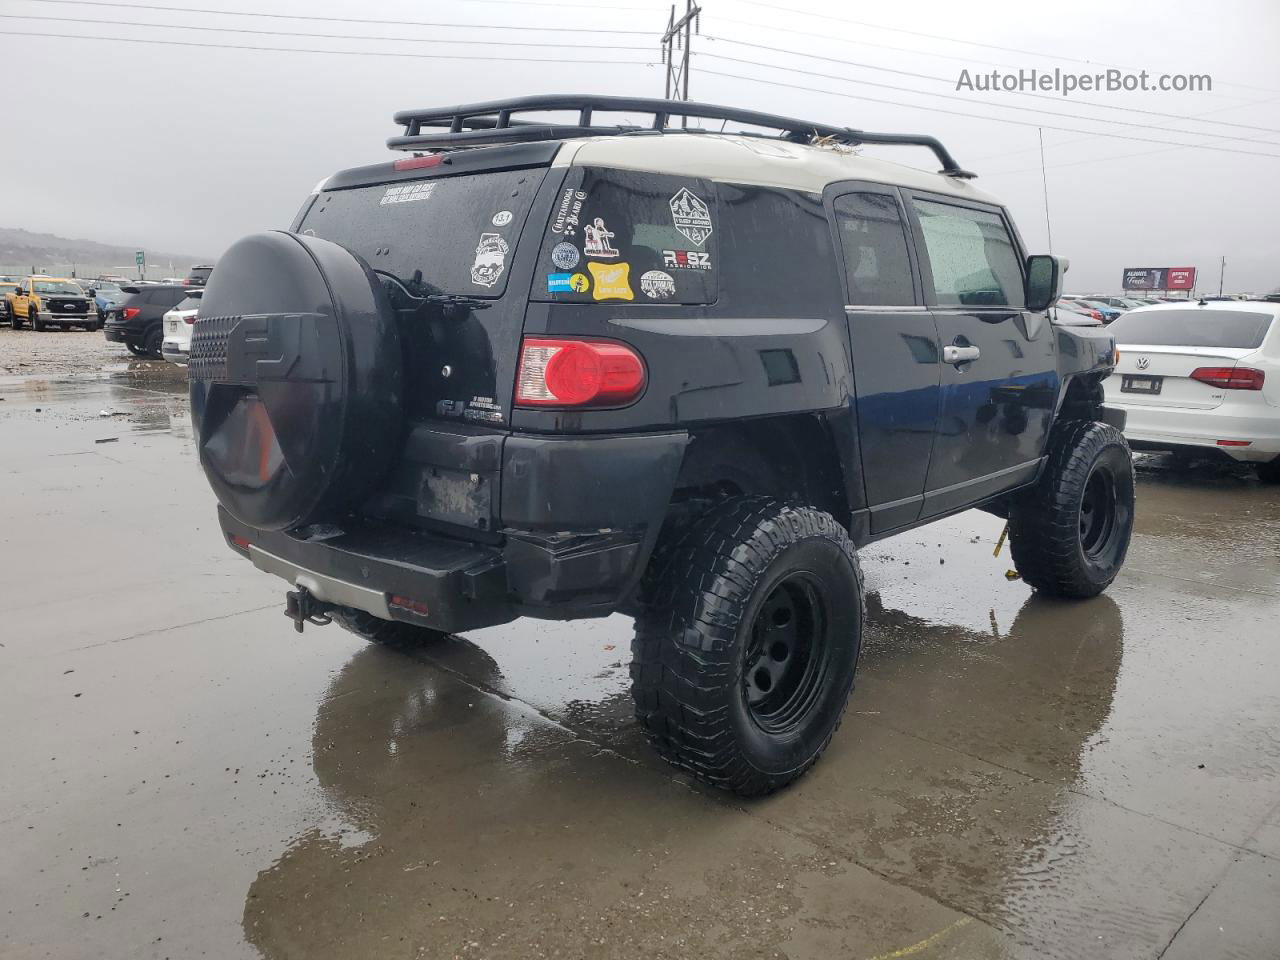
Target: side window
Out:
[971,254]
[875,250]
[618,235]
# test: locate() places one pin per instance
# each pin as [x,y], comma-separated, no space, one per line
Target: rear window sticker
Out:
[567,213]
[597,240]
[657,285]
[408,192]
[491,258]
[686,260]
[691,216]
[565,255]
[559,283]
[501,218]
[579,283]
[612,281]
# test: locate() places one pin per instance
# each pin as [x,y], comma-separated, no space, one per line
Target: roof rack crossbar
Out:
[491,122]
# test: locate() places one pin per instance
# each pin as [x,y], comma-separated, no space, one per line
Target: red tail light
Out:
[417,163]
[131,312]
[189,320]
[577,373]
[1230,378]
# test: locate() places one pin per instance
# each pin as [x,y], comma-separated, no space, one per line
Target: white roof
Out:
[1244,306]
[755,160]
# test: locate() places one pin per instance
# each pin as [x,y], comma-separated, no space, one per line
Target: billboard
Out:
[1159,278]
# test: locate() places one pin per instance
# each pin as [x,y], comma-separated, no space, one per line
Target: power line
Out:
[337,53]
[317,36]
[364,20]
[970,43]
[948,80]
[979,116]
[986,103]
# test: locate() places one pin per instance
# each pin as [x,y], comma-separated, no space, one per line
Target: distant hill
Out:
[20,250]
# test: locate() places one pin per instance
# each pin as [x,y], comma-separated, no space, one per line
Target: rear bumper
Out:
[176,351]
[1157,429]
[580,517]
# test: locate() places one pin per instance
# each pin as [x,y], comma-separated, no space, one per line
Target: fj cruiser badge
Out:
[692,217]
[491,258]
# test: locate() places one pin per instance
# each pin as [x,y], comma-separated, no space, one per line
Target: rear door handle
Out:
[960,354]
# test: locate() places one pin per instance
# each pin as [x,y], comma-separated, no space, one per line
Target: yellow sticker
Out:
[612,281]
[579,283]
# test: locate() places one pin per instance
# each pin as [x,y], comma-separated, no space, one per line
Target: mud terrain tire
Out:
[747,643]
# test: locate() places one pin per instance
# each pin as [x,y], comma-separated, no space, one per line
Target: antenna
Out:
[677,39]
[1044,179]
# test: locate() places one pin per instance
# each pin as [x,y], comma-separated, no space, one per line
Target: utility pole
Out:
[676,41]
[1222,272]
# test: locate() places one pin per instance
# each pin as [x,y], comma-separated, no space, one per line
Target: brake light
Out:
[239,542]
[577,373]
[406,603]
[1230,378]
[189,319]
[417,163]
[130,312]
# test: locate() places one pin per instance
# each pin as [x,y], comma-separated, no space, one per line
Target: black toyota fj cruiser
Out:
[567,369]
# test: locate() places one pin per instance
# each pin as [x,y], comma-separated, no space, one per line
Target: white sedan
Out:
[1201,376]
[176,328]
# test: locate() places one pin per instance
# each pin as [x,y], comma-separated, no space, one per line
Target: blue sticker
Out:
[559,283]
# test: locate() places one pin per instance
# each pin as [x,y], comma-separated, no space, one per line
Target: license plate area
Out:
[1135,383]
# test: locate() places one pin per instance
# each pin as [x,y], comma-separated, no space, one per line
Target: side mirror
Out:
[1044,281]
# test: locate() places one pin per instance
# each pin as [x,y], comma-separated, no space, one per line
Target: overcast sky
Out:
[186,148]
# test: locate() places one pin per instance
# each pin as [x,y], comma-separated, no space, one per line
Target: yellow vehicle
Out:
[42,301]
[7,289]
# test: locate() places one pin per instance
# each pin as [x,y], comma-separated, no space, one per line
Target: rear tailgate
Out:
[1160,376]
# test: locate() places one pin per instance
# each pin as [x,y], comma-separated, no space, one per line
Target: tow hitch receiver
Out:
[302,608]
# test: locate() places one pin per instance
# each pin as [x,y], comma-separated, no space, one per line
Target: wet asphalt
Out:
[182,775]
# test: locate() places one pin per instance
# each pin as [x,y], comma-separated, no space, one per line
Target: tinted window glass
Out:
[875,250]
[971,254]
[165,296]
[188,303]
[620,236]
[445,235]
[1193,328]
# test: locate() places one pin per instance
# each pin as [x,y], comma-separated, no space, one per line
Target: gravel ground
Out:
[25,353]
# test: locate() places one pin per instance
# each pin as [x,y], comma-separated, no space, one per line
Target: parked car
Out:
[581,379]
[1073,312]
[137,321]
[1202,378]
[176,346]
[41,301]
[198,275]
[106,294]
[8,288]
[1109,313]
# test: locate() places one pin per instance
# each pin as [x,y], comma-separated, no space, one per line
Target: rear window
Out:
[1193,328]
[621,236]
[452,235]
[189,303]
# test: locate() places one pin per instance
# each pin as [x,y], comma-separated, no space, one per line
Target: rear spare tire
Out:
[296,377]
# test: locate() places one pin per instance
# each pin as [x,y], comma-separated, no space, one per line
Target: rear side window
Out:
[875,250]
[453,235]
[620,236]
[971,255]
[1236,329]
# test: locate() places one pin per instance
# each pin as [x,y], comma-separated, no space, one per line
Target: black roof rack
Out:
[482,124]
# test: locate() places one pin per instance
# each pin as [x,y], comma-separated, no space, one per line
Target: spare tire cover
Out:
[295,374]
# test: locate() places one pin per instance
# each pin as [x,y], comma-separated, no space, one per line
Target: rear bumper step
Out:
[463,585]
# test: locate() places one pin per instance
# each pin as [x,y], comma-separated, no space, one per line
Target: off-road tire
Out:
[708,604]
[1269,472]
[1069,534]
[376,630]
[15,322]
